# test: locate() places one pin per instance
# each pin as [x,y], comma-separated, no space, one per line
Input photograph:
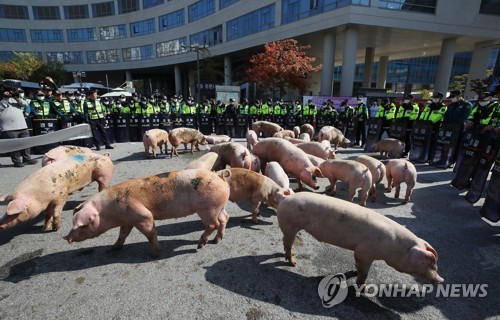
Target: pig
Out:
[389,147]
[292,159]
[305,136]
[245,184]
[334,136]
[284,133]
[138,202]
[209,161]
[369,234]
[268,129]
[216,139]
[185,136]
[251,137]
[276,173]
[155,138]
[307,128]
[294,140]
[354,173]
[296,130]
[316,161]
[48,189]
[233,154]
[62,152]
[398,171]
[255,163]
[377,169]
[318,149]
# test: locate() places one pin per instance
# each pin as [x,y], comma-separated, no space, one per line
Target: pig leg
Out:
[154,150]
[53,216]
[186,146]
[331,189]
[362,266]
[398,189]
[255,210]
[210,225]
[124,232]
[197,145]
[389,181]
[409,190]
[223,218]
[352,192]
[373,193]
[174,151]
[146,149]
[148,229]
[193,145]
[288,239]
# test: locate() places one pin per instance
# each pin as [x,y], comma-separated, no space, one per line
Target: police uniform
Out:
[94,115]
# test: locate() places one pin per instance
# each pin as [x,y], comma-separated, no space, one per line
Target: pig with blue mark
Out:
[47,189]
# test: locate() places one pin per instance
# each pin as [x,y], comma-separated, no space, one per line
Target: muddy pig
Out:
[333,135]
[233,154]
[276,173]
[255,163]
[209,161]
[292,159]
[48,189]
[354,173]
[307,128]
[284,133]
[389,148]
[369,234]
[251,139]
[398,171]
[155,138]
[268,129]
[185,136]
[318,149]
[248,185]
[377,169]
[216,139]
[63,152]
[138,202]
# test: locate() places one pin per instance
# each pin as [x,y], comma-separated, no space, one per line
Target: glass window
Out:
[168,48]
[76,12]
[142,27]
[201,9]
[293,10]
[126,6]
[208,37]
[103,56]
[151,3]
[250,23]
[14,12]
[138,53]
[81,35]
[9,55]
[66,57]
[46,35]
[426,6]
[171,20]
[113,32]
[103,9]
[490,7]
[12,35]
[46,13]
[226,3]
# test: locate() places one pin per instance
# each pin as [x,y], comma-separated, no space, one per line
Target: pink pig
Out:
[138,202]
[334,136]
[276,173]
[48,189]
[292,159]
[268,129]
[369,234]
[209,161]
[155,138]
[216,139]
[233,154]
[63,152]
[318,149]
[184,136]
[398,171]
[307,128]
[377,170]
[251,138]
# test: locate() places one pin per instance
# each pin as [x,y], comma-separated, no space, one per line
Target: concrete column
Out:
[279,11]
[383,62]
[478,65]
[367,74]
[444,65]
[128,75]
[349,61]
[178,80]
[328,63]
[228,79]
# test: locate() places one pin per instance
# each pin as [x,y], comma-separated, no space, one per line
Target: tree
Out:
[28,67]
[284,64]
[458,82]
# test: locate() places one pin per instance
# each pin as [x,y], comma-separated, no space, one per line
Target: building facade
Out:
[158,40]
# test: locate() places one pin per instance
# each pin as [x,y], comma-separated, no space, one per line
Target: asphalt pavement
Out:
[245,276]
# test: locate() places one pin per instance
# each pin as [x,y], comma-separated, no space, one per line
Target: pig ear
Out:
[431,249]
[225,174]
[422,257]
[16,207]
[6,198]
[84,217]
[318,172]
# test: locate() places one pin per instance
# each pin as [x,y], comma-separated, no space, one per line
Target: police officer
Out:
[386,111]
[39,108]
[410,111]
[458,110]
[255,109]
[346,115]
[94,115]
[164,105]
[266,108]
[434,112]
[329,113]
[62,108]
[360,115]
[484,111]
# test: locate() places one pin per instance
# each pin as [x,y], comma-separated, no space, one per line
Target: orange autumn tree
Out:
[284,64]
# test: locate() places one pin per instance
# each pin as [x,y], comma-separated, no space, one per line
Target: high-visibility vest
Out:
[361,112]
[484,114]
[388,114]
[265,109]
[412,114]
[309,110]
[62,106]
[400,113]
[94,109]
[254,110]
[185,109]
[242,109]
[220,109]
[164,107]
[277,109]
[433,116]
[43,109]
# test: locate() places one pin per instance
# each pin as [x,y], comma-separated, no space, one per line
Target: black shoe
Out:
[18,164]
[31,161]
[98,148]
[109,147]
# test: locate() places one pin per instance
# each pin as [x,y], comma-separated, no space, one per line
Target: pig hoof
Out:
[217,239]
[387,190]
[116,247]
